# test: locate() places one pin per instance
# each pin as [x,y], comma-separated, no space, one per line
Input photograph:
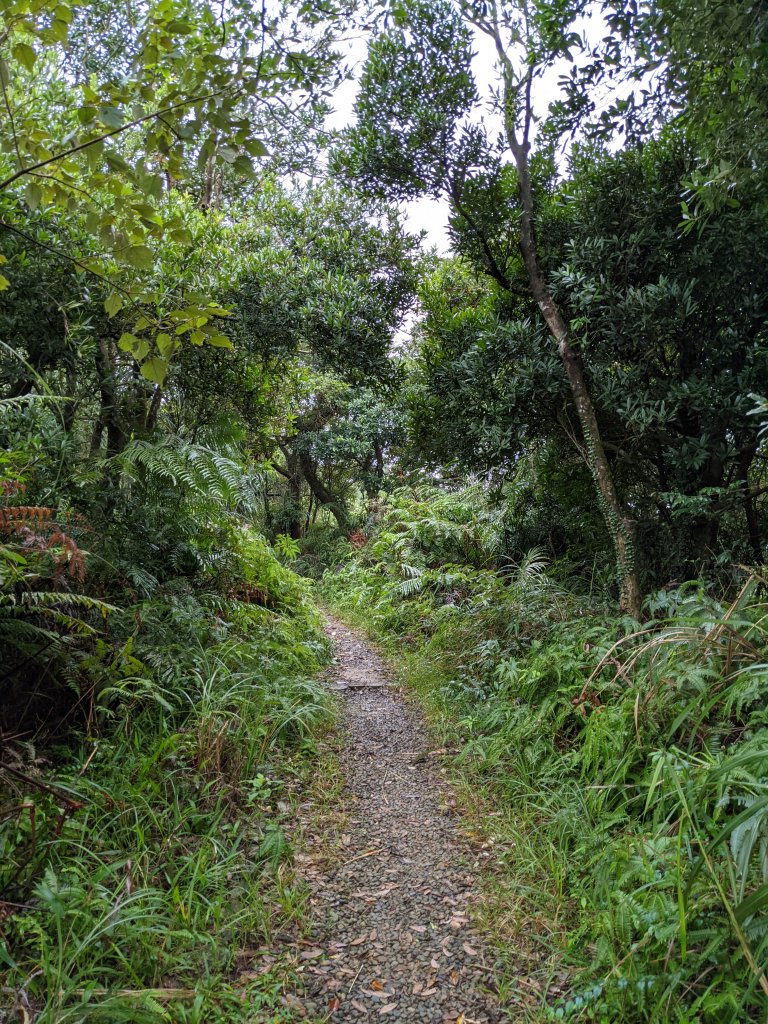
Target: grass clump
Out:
[618,772]
[146,856]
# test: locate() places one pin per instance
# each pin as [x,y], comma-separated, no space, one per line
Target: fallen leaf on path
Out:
[311,954]
[377,986]
[359,940]
[468,949]
[333,1005]
[418,928]
[359,1006]
[387,1009]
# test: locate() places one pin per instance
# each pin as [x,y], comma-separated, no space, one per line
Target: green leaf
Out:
[127,341]
[110,116]
[154,369]
[139,256]
[86,114]
[220,341]
[166,345]
[58,31]
[4,283]
[244,166]
[63,13]
[25,55]
[33,195]
[255,147]
[113,304]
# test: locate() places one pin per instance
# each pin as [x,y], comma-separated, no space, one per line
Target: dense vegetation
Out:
[233,383]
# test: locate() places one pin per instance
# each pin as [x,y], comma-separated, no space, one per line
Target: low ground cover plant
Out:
[626,763]
[160,713]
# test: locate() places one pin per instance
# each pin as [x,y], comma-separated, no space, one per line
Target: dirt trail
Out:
[393,939]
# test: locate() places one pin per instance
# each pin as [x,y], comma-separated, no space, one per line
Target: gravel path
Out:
[393,938]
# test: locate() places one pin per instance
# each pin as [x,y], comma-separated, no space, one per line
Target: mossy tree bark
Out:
[518,119]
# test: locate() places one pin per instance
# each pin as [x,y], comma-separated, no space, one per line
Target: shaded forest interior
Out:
[236,388]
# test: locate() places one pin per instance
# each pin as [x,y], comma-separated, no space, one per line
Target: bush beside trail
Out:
[619,770]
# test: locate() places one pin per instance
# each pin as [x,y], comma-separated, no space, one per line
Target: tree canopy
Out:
[236,388]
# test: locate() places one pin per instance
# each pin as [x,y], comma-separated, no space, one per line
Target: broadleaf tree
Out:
[414,136]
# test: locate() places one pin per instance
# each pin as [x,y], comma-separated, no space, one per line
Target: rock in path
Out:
[392,939]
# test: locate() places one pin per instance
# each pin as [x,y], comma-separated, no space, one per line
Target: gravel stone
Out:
[392,923]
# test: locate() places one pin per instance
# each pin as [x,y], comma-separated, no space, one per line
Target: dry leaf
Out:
[359,941]
[418,927]
[359,1006]
[377,986]
[387,1009]
[468,949]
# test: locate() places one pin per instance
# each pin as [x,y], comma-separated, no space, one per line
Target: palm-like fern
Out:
[215,475]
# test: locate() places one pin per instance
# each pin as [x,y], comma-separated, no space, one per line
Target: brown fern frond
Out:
[70,559]
[15,519]
[9,487]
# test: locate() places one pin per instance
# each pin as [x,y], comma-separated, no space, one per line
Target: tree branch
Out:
[108,135]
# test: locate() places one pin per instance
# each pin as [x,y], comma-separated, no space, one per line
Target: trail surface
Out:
[393,940]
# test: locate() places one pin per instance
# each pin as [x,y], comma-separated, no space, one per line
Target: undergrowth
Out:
[146,864]
[159,720]
[618,771]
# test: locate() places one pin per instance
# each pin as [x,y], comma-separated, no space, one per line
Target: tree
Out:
[342,443]
[416,87]
[696,64]
[671,328]
[107,144]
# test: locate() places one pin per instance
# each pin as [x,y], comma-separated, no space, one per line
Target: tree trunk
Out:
[295,480]
[110,414]
[620,525]
[325,497]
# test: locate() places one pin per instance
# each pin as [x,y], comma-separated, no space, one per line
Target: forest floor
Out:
[392,936]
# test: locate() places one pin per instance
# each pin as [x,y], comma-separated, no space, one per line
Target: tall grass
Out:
[141,864]
[619,774]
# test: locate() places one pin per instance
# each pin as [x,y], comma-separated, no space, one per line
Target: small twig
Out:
[160,994]
[359,969]
[90,757]
[76,804]
[360,856]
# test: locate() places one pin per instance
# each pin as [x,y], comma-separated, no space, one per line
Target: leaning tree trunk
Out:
[324,496]
[620,526]
[517,95]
